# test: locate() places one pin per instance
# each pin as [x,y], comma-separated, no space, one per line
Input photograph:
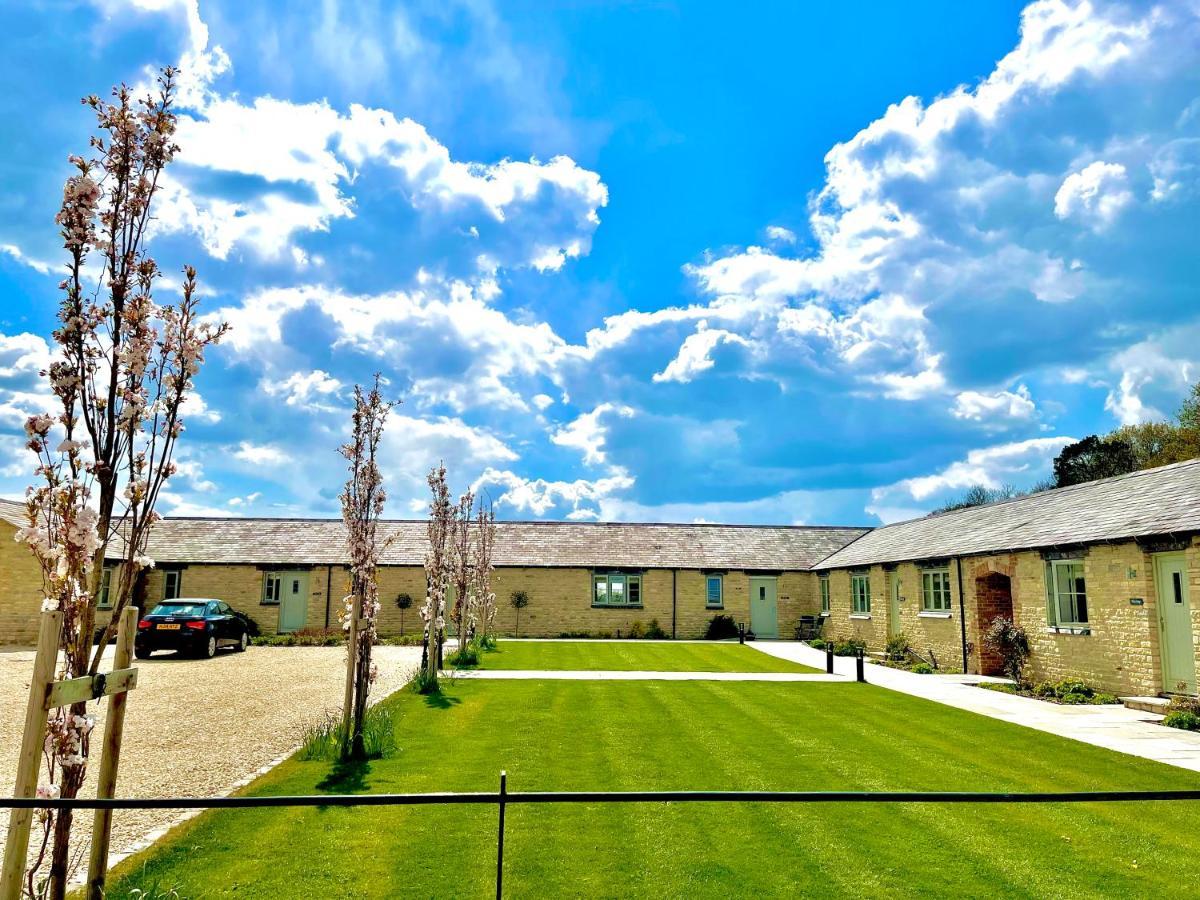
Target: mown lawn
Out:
[634,656]
[653,735]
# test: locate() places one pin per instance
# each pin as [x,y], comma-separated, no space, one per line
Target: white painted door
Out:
[293,600]
[764,616]
[1175,623]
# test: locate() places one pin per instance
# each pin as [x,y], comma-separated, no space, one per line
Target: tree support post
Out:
[29,762]
[500,836]
[110,758]
[351,667]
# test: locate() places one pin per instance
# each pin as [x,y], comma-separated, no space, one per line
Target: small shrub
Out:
[921,668]
[1012,643]
[1184,703]
[518,600]
[654,631]
[849,646]
[637,630]
[1182,718]
[487,643]
[305,637]
[897,647]
[721,628]
[817,643]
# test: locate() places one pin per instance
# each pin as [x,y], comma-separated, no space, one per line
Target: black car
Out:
[196,626]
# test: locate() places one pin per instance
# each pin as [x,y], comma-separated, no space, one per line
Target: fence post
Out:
[30,760]
[500,837]
[828,659]
[860,667]
[110,757]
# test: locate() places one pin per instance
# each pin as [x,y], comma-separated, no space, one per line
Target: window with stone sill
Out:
[616,590]
[714,595]
[935,591]
[1066,596]
[823,581]
[860,594]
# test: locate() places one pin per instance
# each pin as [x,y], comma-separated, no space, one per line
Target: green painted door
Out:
[293,600]
[1175,623]
[764,616]
[894,607]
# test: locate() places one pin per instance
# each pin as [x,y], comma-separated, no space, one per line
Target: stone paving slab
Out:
[1112,727]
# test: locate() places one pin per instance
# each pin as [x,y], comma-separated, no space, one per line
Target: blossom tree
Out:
[362,499]
[437,571]
[462,614]
[483,598]
[124,367]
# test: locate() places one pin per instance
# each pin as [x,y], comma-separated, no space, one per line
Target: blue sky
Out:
[825,263]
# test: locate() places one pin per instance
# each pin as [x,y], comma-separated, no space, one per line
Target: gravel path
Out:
[199,727]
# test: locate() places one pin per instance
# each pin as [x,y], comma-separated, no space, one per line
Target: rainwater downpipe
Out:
[962,612]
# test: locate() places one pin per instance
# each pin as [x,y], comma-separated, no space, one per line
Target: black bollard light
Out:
[860,666]
[828,659]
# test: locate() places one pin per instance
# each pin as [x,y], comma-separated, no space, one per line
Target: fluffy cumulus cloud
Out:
[1020,464]
[308,163]
[1002,406]
[993,200]
[588,434]
[1095,195]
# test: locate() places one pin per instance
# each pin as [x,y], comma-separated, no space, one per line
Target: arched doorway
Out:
[993,598]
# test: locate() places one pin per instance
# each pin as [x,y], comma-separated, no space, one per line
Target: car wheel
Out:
[142,652]
[243,643]
[210,649]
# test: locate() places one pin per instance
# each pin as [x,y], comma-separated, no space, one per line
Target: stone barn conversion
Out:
[1101,575]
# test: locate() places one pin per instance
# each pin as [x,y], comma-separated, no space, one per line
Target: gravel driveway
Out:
[224,718]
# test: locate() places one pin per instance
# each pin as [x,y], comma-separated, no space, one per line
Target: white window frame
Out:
[177,574]
[629,586]
[823,590]
[708,595]
[272,588]
[935,590]
[1055,598]
[860,600]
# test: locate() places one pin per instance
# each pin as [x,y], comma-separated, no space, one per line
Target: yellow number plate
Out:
[168,627]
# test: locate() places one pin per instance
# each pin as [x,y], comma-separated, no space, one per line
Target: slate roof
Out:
[1158,501]
[581,544]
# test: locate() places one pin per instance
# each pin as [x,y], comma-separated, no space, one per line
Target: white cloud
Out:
[303,389]
[998,407]
[695,354]
[195,408]
[543,401]
[1094,195]
[249,500]
[261,454]
[23,354]
[588,434]
[39,266]
[1020,463]
[781,234]
[538,497]
[1154,375]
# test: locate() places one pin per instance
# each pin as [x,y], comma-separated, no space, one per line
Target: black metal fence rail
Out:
[502,799]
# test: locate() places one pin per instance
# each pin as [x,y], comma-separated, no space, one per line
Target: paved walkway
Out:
[610,675]
[1113,727]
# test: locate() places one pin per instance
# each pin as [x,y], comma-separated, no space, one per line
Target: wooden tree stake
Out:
[29,762]
[110,758]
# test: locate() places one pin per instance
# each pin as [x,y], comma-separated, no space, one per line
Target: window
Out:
[823,581]
[860,594]
[105,601]
[617,590]
[714,595]
[1066,593]
[935,590]
[171,581]
[271,587]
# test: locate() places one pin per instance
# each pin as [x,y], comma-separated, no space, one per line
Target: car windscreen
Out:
[179,609]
